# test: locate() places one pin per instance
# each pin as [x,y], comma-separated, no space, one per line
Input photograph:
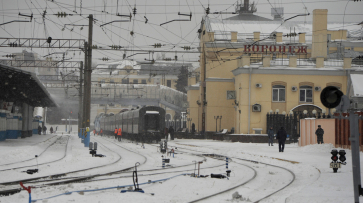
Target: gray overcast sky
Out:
[172,35]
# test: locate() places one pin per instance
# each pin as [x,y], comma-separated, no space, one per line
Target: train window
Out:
[152,122]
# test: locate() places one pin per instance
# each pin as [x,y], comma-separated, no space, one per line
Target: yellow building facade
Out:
[245,76]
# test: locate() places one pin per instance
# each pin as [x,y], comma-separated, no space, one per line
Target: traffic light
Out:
[342,156]
[334,152]
[331,96]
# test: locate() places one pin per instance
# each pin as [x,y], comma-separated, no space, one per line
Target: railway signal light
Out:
[49,40]
[342,157]
[331,96]
[334,152]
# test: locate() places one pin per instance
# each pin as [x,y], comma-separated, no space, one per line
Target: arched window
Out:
[278,93]
[306,93]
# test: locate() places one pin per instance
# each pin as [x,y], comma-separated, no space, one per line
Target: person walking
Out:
[94,131]
[39,130]
[101,132]
[44,130]
[119,134]
[281,136]
[319,133]
[270,134]
[171,131]
[51,130]
[166,132]
[115,132]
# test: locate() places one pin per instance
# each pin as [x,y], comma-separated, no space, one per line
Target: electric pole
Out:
[80,108]
[87,76]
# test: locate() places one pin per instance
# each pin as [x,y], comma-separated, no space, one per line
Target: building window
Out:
[168,83]
[143,81]
[125,81]
[278,93]
[102,81]
[112,81]
[136,81]
[306,94]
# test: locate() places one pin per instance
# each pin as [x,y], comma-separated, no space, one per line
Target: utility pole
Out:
[354,143]
[80,106]
[83,124]
[87,76]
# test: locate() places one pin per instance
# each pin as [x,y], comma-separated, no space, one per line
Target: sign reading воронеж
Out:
[276,48]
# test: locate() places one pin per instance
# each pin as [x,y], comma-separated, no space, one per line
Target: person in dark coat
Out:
[44,130]
[166,132]
[51,130]
[270,134]
[39,130]
[281,136]
[319,133]
[193,128]
[171,131]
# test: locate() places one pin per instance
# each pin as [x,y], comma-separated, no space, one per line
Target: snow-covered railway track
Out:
[39,153]
[54,180]
[264,196]
[48,162]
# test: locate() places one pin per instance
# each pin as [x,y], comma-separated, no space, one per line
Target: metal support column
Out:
[25,112]
[80,103]
[30,120]
[354,140]
[87,76]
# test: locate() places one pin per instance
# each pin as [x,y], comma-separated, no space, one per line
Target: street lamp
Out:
[216,117]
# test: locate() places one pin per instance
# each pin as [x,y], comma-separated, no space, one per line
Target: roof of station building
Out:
[23,86]
[245,28]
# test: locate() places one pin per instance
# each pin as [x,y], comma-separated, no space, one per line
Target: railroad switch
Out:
[135,180]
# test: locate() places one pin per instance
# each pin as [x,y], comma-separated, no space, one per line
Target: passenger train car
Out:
[144,124]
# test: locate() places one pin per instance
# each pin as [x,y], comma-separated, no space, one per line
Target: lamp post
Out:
[220,121]
[189,122]
[216,117]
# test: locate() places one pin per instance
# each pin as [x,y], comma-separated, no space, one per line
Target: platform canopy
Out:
[17,85]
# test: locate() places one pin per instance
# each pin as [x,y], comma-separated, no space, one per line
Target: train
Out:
[145,124]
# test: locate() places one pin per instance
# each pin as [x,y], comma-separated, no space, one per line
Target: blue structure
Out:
[20,124]
[12,126]
[87,138]
[2,125]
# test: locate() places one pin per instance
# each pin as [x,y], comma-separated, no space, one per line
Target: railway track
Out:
[249,180]
[65,154]
[39,153]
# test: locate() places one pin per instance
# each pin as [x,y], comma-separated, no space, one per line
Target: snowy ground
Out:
[314,180]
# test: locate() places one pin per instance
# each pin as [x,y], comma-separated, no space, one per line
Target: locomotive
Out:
[145,124]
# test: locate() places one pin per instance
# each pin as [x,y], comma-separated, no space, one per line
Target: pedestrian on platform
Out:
[270,134]
[101,132]
[44,130]
[171,131]
[51,130]
[94,131]
[119,134]
[115,133]
[281,136]
[166,132]
[319,133]
[39,130]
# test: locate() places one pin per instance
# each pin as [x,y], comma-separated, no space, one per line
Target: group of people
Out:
[281,136]
[44,130]
[118,134]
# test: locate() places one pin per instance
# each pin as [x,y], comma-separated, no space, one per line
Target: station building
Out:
[249,69]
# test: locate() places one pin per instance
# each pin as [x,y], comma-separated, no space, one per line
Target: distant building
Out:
[249,69]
